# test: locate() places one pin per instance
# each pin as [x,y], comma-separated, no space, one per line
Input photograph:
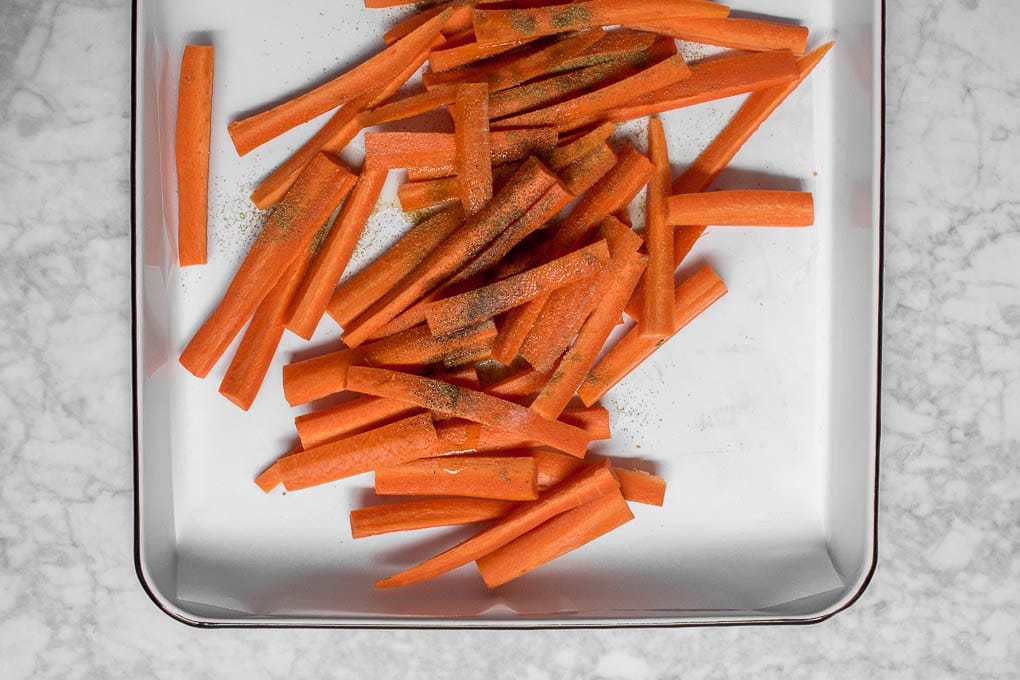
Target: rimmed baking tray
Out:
[762,415]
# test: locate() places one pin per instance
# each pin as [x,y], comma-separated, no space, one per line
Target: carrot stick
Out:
[555,538]
[519,194]
[412,22]
[591,107]
[357,293]
[552,90]
[592,482]
[392,444]
[694,295]
[721,151]
[425,513]
[438,150]
[583,173]
[448,314]
[313,296]
[191,148]
[471,132]
[641,487]
[459,436]
[543,61]
[287,233]
[321,376]
[270,478]
[350,418]
[566,154]
[261,338]
[498,478]
[515,24]
[463,55]
[740,208]
[570,373]
[614,45]
[521,384]
[559,321]
[468,404]
[611,193]
[712,80]
[469,357]
[753,35]
[592,419]
[369,76]
[409,107]
[552,468]
[332,138]
[544,209]
[514,329]
[414,196]
[657,316]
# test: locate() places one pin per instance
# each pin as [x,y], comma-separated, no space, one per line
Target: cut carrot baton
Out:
[694,295]
[555,538]
[191,148]
[641,487]
[519,194]
[610,194]
[616,44]
[369,76]
[591,107]
[286,234]
[657,317]
[261,338]
[321,376]
[561,318]
[592,419]
[469,53]
[471,130]
[566,154]
[501,478]
[592,482]
[445,316]
[515,24]
[712,80]
[521,384]
[399,442]
[409,107]
[270,478]
[415,196]
[468,404]
[312,298]
[548,206]
[543,61]
[552,468]
[514,329]
[438,150]
[743,208]
[570,373]
[336,134]
[412,22]
[425,513]
[357,293]
[350,418]
[583,173]
[754,35]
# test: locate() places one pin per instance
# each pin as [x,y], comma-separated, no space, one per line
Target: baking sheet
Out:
[761,415]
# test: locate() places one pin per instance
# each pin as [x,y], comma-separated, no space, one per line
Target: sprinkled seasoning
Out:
[572,16]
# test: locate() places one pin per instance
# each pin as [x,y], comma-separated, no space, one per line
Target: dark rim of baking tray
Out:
[493,626]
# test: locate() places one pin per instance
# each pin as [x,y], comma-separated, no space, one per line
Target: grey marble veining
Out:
[946,598]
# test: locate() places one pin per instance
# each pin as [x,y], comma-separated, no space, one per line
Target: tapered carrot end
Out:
[270,478]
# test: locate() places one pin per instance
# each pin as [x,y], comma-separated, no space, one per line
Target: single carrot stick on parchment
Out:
[191,146]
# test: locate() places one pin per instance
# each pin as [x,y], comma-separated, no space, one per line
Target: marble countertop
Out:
[945,601]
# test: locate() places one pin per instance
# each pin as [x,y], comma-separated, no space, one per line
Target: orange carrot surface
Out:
[471,132]
[286,234]
[593,482]
[451,400]
[399,442]
[739,34]
[369,76]
[742,208]
[641,487]
[425,513]
[555,538]
[657,315]
[313,296]
[499,478]
[191,147]
[349,418]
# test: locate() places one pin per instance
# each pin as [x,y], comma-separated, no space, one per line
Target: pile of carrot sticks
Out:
[475,350]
